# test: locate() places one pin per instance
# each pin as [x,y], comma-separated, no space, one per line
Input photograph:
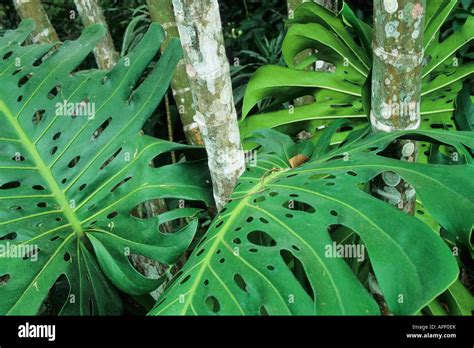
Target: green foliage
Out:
[267,251]
[344,41]
[253,33]
[70,181]
[457,300]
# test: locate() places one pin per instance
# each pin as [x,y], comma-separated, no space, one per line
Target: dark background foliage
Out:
[253,32]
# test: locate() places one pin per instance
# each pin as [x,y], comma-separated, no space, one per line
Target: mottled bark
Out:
[33,9]
[396,87]
[91,13]
[320,66]
[200,30]
[161,11]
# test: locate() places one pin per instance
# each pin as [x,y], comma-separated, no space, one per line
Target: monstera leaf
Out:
[340,93]
[457,300]
[271,250]
[73,166]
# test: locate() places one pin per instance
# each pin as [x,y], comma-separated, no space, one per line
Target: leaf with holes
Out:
[338,93]
[73,166]
[273,250]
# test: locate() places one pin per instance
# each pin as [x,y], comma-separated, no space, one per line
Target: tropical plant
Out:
[344,41]
[69,183]
[268,51]
[267,251]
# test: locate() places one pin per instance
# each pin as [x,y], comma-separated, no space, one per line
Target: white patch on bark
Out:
[390,5]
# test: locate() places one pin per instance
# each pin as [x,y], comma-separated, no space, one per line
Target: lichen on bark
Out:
[161,11]
[44,32]
[91,13]
[207,67]
[396,87]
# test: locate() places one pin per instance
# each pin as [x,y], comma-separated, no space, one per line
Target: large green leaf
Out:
[267,251]
[337,94]
[68,183]
[457,300]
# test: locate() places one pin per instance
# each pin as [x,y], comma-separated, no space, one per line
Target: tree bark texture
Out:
[200,30]
[161,11]
[396,87]
[33,9]
[91,13]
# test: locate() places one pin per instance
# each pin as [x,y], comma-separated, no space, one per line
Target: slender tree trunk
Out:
[44,31]
[105,54]
[396,87]
[320,66]
[199,26]
[161,11]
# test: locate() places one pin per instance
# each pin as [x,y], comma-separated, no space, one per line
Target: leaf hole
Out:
[9,236]
[38,116]
[213,304]
[110,159]
[259,199]
[112,215]
[18,158]
[299,206]
[185,279]
[31,252]
[239,280]
[54,92]
[120,184]
[4,279]
[98,132]
[22,81]
[7,55]
[10,185]
[261,238]
[296,267]
[74,161]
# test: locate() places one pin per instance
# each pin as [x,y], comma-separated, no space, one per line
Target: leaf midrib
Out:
[44,171]
[219,238]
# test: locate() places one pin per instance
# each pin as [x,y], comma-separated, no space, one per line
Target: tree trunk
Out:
[33,9]
[199,26]
[396,87]
[105,54]
[161,11]
[320,66]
